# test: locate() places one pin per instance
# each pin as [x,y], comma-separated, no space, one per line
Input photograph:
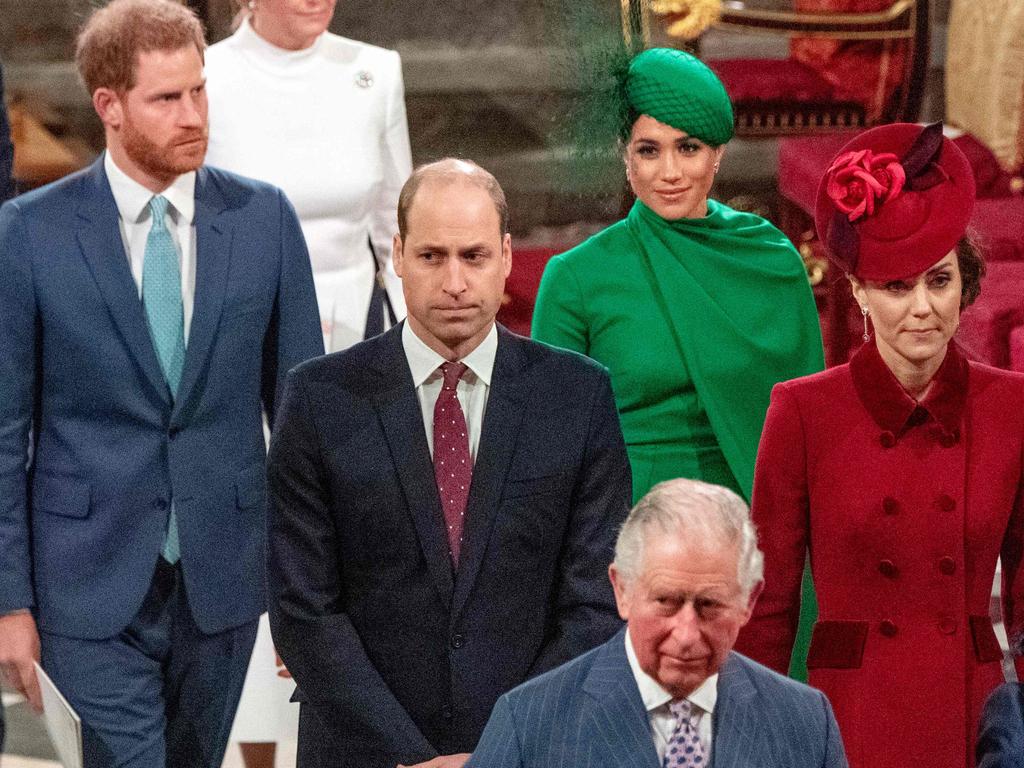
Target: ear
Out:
[109,107]
[719,154]
[396,254]
[859,294]
[621,592]
[506,253]
[752,601]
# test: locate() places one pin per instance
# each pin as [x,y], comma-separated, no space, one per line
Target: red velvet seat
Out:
[521,287]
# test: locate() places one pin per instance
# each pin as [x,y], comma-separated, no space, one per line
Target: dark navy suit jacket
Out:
[81,530]
[589,714]
[1001,733]
[397,657]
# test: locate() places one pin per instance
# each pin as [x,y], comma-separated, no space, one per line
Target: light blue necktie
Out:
[684,748]
[161,298]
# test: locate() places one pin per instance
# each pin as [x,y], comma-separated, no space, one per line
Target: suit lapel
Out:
[736,724]
[213,255]
[99,236]
[498,437]
[402,421]
[616,716]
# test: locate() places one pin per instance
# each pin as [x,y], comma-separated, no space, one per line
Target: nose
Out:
[920,304]
[192,112]
[454,277]
[686,627]
[671,166]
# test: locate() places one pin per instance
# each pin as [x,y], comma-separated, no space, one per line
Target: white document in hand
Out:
[62,722]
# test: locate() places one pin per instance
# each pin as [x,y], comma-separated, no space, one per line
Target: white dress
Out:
[327,125]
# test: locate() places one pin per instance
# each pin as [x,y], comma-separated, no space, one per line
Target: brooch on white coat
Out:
[364,79]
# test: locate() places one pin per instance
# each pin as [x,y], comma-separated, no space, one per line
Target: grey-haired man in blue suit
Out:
[668,690]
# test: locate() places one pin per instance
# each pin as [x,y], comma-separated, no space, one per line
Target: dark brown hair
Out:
[972,268]
[449,170]
[110,41]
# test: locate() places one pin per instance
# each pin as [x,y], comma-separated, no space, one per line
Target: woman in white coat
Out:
[322,117]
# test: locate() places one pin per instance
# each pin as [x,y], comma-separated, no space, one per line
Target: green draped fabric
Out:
[696,320]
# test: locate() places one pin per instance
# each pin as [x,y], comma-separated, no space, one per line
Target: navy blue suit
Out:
[1001,732]
[397,657]
[589,714]
[81,530]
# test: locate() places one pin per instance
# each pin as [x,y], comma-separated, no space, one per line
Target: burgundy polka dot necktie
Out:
[684,748]
[453,467]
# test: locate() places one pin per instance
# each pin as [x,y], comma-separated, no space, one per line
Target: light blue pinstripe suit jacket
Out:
[588,714]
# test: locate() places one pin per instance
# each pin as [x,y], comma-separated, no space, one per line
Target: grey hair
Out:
[708,514]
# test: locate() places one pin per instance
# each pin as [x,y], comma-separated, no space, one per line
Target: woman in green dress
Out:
[696,309]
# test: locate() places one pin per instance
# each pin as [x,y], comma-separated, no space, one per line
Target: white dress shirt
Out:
[474,386]
[132,201]
[656,701]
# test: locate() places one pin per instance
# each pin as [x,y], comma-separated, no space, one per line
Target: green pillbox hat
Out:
[678,89]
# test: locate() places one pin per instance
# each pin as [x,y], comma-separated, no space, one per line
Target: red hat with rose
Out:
[895,200]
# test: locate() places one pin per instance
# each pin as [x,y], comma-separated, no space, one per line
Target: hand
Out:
[282,670]
[443,761]
[19,647]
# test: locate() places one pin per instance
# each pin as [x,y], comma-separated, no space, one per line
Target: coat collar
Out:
[893,409]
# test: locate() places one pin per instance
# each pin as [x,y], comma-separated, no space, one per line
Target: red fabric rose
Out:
[859,180]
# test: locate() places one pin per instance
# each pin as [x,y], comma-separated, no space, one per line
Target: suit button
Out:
[947,440]
[173,432]
[888,569]
[458,641]
[947,625]
[946,503]
[887,628]
[890,506]
[887,439]
[947,566]
[159,504]
[446,712]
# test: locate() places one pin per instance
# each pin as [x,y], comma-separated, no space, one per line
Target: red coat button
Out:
[947,566]
[947,503]
[947,440]
[947,625]
[890,506]
[887,628]
[887,439]
[888,569]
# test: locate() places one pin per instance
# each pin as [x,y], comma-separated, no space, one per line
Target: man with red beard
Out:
[149,310]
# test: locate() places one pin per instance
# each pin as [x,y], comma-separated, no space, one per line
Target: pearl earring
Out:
[864,312]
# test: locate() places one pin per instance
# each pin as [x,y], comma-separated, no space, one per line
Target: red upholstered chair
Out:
[851,63]
[521,287]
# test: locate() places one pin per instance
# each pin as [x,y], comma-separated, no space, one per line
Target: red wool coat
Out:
[904,509]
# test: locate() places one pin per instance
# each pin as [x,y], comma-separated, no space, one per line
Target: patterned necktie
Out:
[453,467]
[161,298]
[684,748]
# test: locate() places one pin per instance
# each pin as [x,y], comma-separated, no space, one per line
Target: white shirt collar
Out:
[654,696]
[132,198]
[424,362]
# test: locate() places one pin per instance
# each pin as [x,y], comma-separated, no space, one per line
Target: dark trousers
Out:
[161,694]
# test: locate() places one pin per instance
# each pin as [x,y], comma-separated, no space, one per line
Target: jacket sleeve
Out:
[1012,589]
[19,331]
[499,745]
[780,511]
[396,165]
[293,334]
[559,315]
[584,614]
[313,634]
[835,754]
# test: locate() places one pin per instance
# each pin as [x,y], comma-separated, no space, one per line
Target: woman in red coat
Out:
[901,472]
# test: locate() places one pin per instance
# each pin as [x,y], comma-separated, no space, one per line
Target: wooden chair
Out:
[851,63]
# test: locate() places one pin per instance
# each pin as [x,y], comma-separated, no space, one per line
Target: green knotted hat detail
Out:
[678,89]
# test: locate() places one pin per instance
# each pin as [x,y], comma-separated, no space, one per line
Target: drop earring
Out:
[864,312]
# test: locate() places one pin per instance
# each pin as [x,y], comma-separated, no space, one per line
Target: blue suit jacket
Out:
[397,657]
[81,529]
[588,713]
[1001,732]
